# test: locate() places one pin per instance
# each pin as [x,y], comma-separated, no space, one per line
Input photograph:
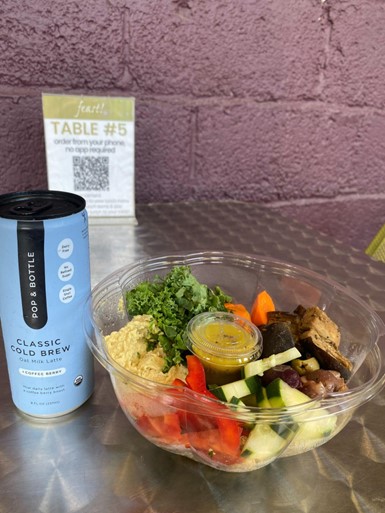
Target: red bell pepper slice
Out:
[178,383]
[229,429]
[196,377]
[189,421]
[164,427]
[210,446]
[212,436]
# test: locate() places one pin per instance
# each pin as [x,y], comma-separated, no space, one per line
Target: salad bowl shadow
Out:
[186,422]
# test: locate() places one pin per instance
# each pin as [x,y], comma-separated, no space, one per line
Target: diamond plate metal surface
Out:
[94,461]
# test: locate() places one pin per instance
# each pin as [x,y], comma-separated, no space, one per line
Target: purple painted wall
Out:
[276,101]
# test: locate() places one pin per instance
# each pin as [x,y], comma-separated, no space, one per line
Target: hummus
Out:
[128,347]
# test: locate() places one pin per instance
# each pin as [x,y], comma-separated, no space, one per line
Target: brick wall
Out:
[281,102]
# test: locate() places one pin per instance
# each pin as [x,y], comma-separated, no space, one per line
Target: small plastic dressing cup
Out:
[224,342]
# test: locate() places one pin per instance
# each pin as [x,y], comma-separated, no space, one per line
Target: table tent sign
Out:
[90,151]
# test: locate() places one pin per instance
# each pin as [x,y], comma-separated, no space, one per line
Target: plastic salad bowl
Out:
[185,421]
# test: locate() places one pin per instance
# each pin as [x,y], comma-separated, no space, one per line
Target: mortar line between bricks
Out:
[316,104]
[326,47]
[125,36]
[126,78]
[193,141]
[187,101]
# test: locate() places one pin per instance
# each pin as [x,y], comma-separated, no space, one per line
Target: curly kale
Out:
[172,301]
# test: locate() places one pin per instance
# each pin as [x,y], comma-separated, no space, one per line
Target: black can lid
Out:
[40,205]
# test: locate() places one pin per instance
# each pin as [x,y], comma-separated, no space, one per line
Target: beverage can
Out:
[44,284]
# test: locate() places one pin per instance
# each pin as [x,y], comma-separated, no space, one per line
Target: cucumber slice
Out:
[281,395]
[238,405]
[238,389]
[258,367]
[313,433]
[261,398]
[310,425]
[263,443]
[237,402]
[311,428]
[267,441]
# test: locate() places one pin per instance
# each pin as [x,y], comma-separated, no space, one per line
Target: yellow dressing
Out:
[224,343]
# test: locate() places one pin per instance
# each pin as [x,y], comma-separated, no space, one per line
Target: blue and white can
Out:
[44,283]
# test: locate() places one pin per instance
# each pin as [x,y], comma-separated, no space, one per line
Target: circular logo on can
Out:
[67,293]
[65,248]
[66,271]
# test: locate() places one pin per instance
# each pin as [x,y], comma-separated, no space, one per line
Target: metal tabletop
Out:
[93,460]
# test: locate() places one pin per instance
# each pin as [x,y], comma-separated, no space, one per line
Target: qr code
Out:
[91,173]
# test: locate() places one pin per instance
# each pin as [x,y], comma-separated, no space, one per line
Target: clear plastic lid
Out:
[223,336]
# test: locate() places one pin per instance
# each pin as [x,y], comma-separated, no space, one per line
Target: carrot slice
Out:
[238,309]
[262,305]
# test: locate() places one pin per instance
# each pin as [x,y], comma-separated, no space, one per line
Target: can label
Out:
[30,244]
[44,283]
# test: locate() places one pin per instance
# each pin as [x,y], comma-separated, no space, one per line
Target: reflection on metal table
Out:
[93,461]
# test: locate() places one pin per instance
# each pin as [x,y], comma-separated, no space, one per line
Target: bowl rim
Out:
[195,256]
[338,401]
